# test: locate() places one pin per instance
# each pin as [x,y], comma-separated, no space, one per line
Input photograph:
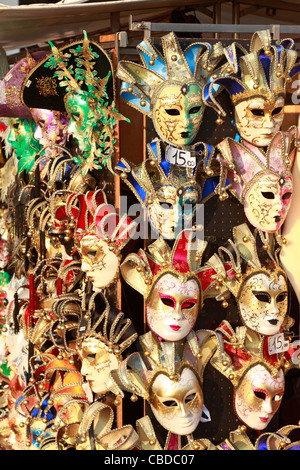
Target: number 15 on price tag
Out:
[278,344]
[180,157]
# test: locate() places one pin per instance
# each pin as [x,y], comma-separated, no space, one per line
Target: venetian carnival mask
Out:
[98,262]
[97,362]
[177,113]
[51,127]
[21,137]
[258,396]
[172,307]
[261,181]
[263,301]
[177,404]
[77,79]
[168,87]
[256,82]
[170,212]
[268,200]
[257,120]
[83,118]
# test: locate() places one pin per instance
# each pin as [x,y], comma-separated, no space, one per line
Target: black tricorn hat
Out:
[43,89]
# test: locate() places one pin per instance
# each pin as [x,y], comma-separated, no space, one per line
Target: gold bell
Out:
[134,398]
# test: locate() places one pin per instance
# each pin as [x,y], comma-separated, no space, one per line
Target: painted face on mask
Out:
[51,127]
[21,137]
[258,397]
[170,212]
[268,200]
[98,262]
[177,405]
[172,307]
[83,118]
[97,362]
[177,113]
[263,302]
[257,120]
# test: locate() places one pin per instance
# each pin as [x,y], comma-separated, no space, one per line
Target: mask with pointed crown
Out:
[173,283]
[168,192]
[256,280]
[99,234]
[167,86]
[103,335]
[256,81]
[179,378]
[258,377]
[261,181]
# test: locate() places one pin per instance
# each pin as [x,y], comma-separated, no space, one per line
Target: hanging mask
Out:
[260,289]
[258,396]
[77,79]
[99,234]
[263,301]
[173,305]
[51,127]
[103,335]
[83,118]
[21,137]
[177,404]
[172,282]
[168,192]
[257,376]
[262,182]
[257,120]
[168,87]
[97,362]
[256,82]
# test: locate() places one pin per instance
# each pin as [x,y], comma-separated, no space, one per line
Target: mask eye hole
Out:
[190,397]
[277,111]
[277,397]
[188,304]
[41,124]
[260,394]
[166,205]
[281,297]
[75,117]
[262,296]
[268,194]
[91,357]
[91,254]
[195,110]
[172,112]
[286,196]
[258,112]
[168,301]
[170,403]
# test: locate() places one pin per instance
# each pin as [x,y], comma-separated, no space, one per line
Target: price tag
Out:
[278,344]
[180,157]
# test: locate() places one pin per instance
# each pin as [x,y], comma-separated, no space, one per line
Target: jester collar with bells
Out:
[258,381]
[167,87]
[255,80]
[174,378]
[169,193]
[261,181]
[259,285]
[279,440]
[173,284]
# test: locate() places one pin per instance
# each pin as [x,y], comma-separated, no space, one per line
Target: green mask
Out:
[21,138]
